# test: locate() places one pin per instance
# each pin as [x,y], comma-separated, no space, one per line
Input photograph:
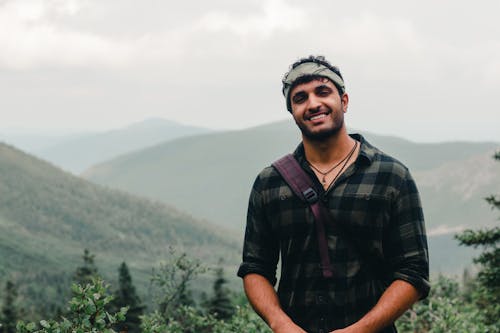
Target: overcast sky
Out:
[425,70]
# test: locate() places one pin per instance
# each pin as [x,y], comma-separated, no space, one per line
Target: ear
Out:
[345,101]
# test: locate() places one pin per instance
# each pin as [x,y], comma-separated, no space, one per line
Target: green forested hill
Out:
[47,218]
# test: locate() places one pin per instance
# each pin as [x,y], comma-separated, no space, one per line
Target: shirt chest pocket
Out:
[365,215]
[288,213]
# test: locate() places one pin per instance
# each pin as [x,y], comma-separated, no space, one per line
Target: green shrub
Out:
[87,313]
[444,311]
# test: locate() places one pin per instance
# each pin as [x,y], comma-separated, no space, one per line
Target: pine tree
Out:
[126,295]
[10,312]
[488,293]
[220,304]
[85,273]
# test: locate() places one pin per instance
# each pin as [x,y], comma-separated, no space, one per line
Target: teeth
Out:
[318,116]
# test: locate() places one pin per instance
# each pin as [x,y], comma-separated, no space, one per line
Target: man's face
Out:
[318,109]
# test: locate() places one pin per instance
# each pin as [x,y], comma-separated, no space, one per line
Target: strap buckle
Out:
[310,195]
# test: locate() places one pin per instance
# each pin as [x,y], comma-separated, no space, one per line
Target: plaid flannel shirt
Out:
[377,201]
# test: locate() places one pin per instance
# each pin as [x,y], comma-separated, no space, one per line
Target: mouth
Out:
[318,116]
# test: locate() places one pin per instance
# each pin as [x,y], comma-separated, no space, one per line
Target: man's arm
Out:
[264,300]
[258,269]
[396,299]
[406,246]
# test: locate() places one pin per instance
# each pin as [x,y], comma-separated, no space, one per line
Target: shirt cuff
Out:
[422,285]
[248,268]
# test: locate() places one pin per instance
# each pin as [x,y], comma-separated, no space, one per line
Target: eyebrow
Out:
[323,86]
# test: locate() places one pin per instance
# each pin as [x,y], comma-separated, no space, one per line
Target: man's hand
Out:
[397,298]
[288,327]
[264,300]
[350,329]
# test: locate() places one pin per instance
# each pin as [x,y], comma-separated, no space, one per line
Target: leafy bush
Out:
[87,313]
[448,308]
[245,320]
[177,313]
[445,310]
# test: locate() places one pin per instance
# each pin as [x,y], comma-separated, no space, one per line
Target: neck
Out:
[328,150]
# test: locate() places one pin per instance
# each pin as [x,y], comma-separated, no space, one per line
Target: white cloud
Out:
[377,35]
[394,58]
[33,36]
[490,59]
[390,45]
[32,10]
[275,14]
[30,38]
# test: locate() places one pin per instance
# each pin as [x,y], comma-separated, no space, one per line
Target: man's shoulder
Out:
[268,172]
[381,161]
[267,178]
[388,161]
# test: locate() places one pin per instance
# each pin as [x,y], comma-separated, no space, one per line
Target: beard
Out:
[321,135]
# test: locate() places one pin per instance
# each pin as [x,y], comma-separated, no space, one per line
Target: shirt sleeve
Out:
[406,240]
[261,247]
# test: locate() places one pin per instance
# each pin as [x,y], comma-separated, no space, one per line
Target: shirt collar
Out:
[366,153]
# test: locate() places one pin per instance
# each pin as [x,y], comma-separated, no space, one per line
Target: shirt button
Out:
[321,299]
[321,324]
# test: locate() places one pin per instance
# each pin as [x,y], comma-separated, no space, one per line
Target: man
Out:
[375,235]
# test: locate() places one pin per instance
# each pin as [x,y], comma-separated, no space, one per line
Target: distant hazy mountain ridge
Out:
[77,152]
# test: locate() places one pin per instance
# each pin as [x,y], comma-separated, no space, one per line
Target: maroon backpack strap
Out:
[302,185]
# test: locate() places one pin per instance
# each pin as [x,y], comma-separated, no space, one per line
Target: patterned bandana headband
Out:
[306,69]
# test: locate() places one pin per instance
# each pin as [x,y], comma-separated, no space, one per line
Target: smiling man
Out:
[361,263]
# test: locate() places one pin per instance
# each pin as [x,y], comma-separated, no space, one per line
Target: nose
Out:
[314,103]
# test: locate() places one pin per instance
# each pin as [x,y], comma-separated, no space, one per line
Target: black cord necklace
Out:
[344,160]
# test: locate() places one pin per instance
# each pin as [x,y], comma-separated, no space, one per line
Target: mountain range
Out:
[76,152]
[210,175]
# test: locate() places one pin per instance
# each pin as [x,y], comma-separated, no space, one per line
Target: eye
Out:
[323,91]
[299,98]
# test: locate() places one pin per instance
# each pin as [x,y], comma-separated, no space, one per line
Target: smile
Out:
[318,116]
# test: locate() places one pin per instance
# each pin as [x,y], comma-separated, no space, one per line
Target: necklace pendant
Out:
[323,180]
